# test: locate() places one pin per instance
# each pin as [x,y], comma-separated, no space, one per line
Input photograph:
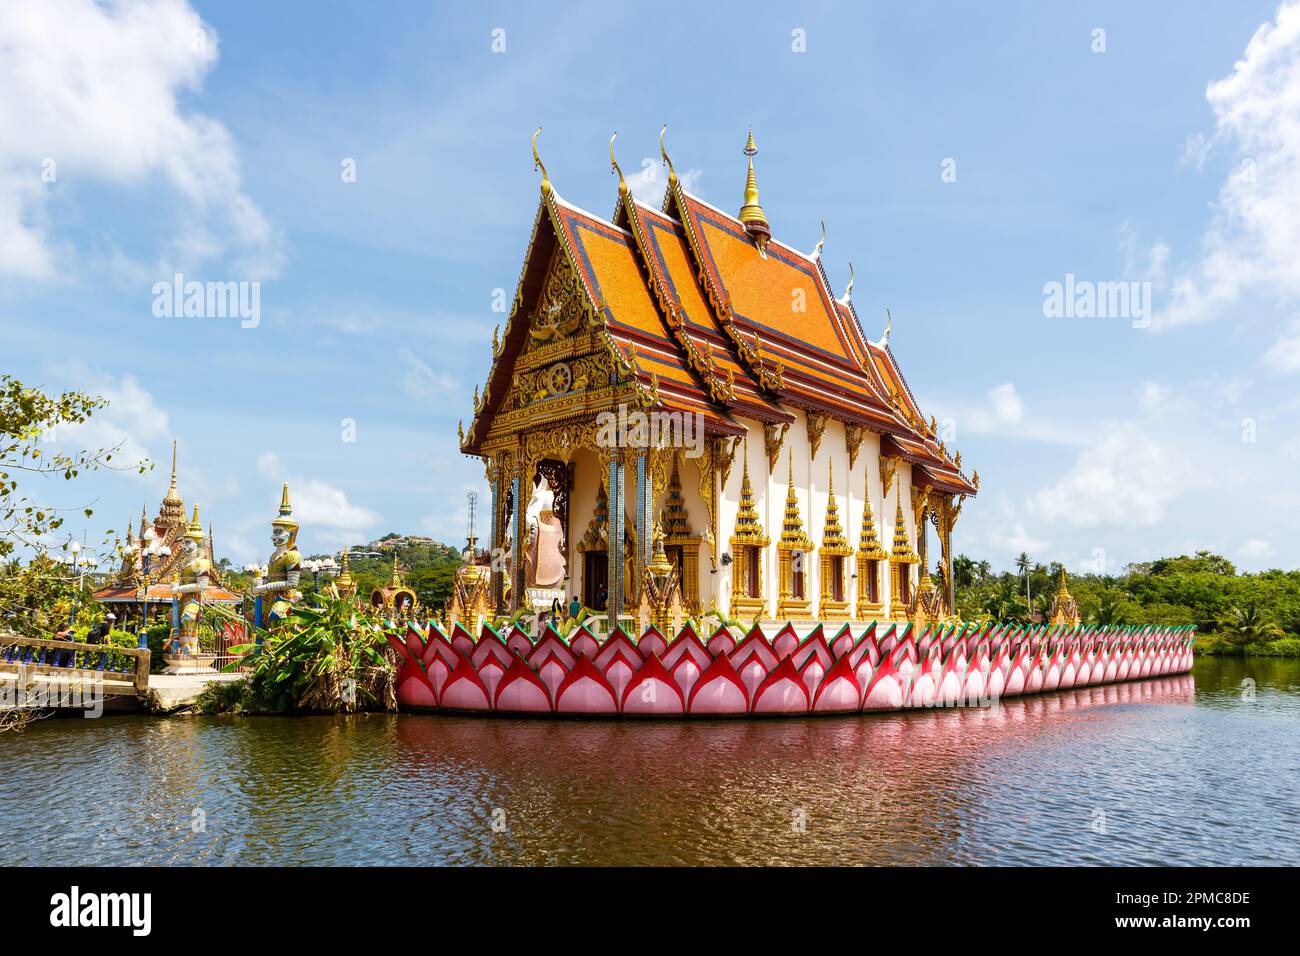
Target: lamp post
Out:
[151,547]
[76,552]
[326,566]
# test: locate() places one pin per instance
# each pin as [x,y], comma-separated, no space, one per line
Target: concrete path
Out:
[169,692]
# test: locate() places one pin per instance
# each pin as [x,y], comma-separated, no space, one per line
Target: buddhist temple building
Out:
[689,368]
[151,557]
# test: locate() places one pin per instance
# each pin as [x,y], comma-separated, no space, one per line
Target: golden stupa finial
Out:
[538,164]
[396,579]
[751,213]
[821,243]
[848,290]
[672,173]
[286,508]
[195,531]
[614,167]
[830,481]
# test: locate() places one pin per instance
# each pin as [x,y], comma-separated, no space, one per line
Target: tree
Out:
[1108,609]
[1024,567]
[964,570]
[1240,627]
[28,420]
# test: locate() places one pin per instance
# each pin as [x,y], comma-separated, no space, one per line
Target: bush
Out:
[231,697]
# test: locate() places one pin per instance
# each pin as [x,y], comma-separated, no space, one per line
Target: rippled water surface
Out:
[1178,770]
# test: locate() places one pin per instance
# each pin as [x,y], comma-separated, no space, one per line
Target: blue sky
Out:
[210,139]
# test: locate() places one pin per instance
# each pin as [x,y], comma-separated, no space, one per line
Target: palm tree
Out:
[1109,608]
[1005,603]
[963,571]
[1240,627]
[1023,566]
[984,569]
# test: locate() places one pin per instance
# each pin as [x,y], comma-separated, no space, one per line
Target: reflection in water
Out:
[1172,770]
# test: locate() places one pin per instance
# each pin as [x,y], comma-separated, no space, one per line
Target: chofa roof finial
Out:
[889,327]
[821,243]
[848,289]
[537,164]
[672,173]
[614,167]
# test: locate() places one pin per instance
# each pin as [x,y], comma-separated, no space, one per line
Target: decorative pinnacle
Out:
[285,508]
[614,167]
[672,173]
[848,290]
[537,164]
[751,213]
[821,243]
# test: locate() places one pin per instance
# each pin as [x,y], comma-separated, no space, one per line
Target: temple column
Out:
[642,538]
[494,547]
[521,486]
[614,589]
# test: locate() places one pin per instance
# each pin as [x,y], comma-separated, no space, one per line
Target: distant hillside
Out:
[427,566]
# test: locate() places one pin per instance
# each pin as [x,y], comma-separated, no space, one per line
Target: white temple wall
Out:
[582,504]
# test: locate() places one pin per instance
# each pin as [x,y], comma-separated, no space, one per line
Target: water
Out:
[1176,770]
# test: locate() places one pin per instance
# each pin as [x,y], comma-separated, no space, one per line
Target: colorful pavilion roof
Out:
[710,321]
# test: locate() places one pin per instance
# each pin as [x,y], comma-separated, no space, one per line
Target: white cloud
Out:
[129,423]
[1255,550]
[1152,394]
[1003,410]
[1252,245]
[649,182]
[317,503]
[421,382]
[268,465]
[1124,480]
[93,92]
[1284,354]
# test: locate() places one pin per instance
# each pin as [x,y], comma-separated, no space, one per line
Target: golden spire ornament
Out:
[751,213]
[614,167]
[672,173]
[537,164]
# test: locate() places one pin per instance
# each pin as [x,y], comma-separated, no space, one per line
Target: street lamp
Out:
[151,547]
[326,566]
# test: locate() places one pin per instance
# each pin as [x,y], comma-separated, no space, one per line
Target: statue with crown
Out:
[188,586]
[275,590]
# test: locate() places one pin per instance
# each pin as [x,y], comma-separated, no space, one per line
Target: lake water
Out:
[1194,769]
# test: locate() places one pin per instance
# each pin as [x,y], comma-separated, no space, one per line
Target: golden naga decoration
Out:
[751,213]
[773,439]
[816,422]
[672,173]
[614,167]
[888,469]
[853,435]
[537,164]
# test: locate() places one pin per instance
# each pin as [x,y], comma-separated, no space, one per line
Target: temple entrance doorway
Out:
[595,580]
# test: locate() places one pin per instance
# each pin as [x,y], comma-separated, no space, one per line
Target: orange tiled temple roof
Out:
[721,326]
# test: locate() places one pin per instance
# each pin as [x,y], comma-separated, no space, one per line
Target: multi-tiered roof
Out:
[700,304]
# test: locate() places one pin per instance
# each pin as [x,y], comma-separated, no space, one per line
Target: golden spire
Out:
[614,167]
[748,526]
[285,508]
[832,533]
[173,507]
[792,533]
[751,213]
[344,581]
[195,532]
[537,164]
[672,173]
[902,549]
[869,539]
[675,519]
[396,581]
